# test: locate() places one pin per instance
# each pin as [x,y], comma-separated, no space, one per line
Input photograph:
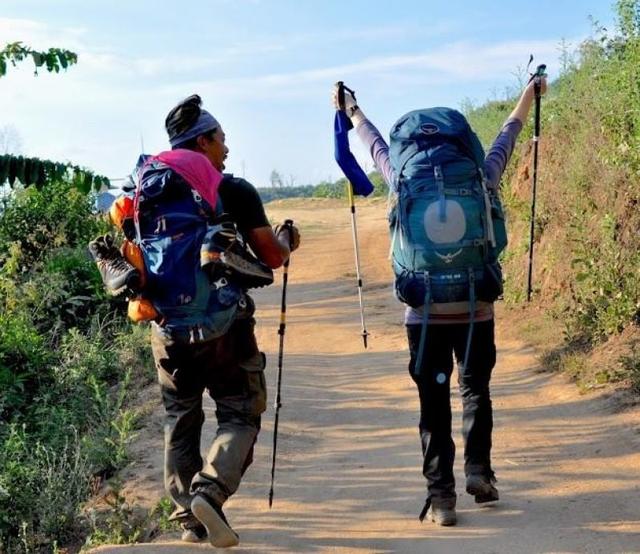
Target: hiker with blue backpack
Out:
[447,230]
[187,268]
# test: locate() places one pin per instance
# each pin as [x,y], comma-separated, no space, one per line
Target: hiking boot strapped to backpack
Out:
[118,275]
[447,226]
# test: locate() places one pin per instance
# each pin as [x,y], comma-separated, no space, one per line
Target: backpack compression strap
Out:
[417,370]
[472,313]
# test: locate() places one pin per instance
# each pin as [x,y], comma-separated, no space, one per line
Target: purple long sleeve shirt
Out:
[494,165]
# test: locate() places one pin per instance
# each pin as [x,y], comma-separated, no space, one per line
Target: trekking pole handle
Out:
[340,88]
[288,225]
[536,76]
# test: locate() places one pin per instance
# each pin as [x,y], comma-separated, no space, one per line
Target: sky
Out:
[265,69]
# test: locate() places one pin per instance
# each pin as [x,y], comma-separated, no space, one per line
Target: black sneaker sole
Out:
[220,534]
[485,498]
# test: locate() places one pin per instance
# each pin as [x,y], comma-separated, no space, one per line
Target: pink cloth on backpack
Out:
[195,169]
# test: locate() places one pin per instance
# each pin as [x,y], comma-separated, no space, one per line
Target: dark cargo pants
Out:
[231,369]
[438,449]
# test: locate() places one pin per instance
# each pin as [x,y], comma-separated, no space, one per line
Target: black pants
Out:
[438,449]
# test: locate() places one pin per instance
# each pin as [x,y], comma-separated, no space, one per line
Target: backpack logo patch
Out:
[429,129]
[448,258]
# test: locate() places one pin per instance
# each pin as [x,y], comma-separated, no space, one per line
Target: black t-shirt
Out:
[242,202]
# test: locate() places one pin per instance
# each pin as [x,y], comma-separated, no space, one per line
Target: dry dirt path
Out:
[348,475]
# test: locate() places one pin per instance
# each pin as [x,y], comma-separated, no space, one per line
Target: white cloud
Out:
[459,62]
[95,113]
[40,35]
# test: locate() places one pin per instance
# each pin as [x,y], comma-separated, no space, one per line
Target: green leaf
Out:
[52,62]
[82,181]
[38,58]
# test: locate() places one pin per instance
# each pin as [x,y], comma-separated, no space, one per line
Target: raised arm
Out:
[502,147]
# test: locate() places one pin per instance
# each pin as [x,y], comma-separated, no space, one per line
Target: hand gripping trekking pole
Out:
[288,224]
[536,78]
[340,87]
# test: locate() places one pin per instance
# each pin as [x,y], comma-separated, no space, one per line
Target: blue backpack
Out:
[172,220]
[447,226]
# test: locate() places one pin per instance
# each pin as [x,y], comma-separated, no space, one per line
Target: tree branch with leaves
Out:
[53,59]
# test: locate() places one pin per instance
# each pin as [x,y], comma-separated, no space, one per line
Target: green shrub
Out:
[41,491]
[65,368]
[589,188]
[23,357]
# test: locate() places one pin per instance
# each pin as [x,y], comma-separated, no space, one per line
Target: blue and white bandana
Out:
[206,122]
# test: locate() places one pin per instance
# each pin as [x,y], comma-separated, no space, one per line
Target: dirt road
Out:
[348,476]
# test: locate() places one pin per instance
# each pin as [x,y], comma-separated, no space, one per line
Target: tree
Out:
[52,60]
[34,171]
[276,179]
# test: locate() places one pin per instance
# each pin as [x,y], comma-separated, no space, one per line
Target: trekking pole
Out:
[354,227]
[288,224]
[536,77]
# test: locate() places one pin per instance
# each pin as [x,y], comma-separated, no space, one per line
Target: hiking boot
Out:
[193,531]
[442,511]
[442,516]
[482,487]
[118,275]
[217,527]
[224,253]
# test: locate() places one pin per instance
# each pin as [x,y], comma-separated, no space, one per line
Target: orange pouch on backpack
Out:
[121,215]
[132,253]
[141,309]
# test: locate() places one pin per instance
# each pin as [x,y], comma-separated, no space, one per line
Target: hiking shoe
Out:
[442,515]
[210,515]
[442,511]
[483,488]
[224,253]
[118,275]
[193,531]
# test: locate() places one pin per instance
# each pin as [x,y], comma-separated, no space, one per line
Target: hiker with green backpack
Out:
[191,227]
[447,230]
